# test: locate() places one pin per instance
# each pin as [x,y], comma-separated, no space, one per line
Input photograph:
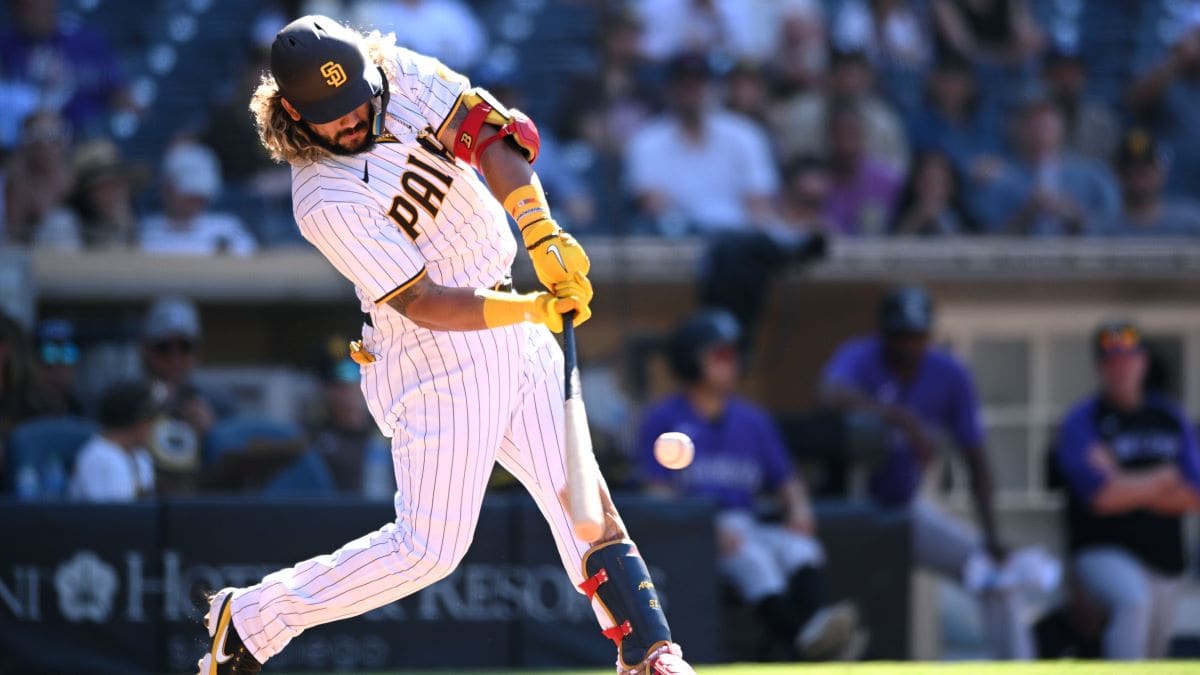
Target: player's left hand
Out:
[557,258]
[549,308]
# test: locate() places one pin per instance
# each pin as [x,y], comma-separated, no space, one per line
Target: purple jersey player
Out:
[916,389]
[739,457]
[1132,470]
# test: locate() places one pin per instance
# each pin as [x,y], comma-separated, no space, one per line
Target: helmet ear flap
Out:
[379,106]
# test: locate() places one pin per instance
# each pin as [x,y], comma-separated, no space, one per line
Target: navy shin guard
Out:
[617,576]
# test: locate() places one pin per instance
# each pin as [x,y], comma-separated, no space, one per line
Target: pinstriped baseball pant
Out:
[502,402]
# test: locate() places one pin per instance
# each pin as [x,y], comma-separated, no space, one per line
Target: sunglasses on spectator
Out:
[1123,340]
[170,347]
[59,353]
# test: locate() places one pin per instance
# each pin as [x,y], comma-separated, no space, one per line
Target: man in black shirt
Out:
[1132,467]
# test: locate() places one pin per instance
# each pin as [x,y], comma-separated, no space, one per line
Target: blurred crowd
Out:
[846,118]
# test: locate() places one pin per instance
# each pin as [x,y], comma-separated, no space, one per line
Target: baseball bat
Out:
[583,484]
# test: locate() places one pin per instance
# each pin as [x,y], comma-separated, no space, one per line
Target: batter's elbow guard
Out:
[616,576]
[483,109]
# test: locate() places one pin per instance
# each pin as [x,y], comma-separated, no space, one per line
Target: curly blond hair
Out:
[287,140]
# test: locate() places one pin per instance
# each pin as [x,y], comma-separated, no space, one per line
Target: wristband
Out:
[507,309]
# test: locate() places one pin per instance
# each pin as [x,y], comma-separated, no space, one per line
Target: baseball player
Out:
[776,568]
[457,369]
[917,388]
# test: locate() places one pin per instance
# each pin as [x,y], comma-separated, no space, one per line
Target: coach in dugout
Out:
[916,390]
[1132,468]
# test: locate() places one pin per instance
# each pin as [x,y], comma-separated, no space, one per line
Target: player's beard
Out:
[367,144]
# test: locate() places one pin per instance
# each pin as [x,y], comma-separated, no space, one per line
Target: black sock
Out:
[806,590]
[780,616]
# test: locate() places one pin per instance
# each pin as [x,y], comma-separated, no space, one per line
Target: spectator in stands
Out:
[232,136]
[103,196]
[678,27]
[801,122]
[1092,129]
[805,199]
[697,167]
[931,202]
[191,181]
[72,68]
[747,92]
[1000,32]
[801,53]
[1132,468]
[621,90]
[37,182]
[1145,211]
[1046,191]
[57,357]
[114,465]
[171,339]
[864,186]
[343,433]
[1167,99]
[959,120]
[892,33]
[19,395]
[896,376]
[444,29]
[739,458]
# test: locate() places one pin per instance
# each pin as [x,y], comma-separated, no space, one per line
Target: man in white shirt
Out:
[191,180]
[114,465]
[445,29]
[698,167]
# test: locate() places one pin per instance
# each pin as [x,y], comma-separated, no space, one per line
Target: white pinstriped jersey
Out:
[384,216]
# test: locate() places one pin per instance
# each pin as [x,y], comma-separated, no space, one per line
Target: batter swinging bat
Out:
[583,484]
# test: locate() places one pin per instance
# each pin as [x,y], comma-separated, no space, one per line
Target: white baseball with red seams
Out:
[674,450]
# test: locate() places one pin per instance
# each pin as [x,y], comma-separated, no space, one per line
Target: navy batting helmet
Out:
[906,309]
[703,331]
[322,69]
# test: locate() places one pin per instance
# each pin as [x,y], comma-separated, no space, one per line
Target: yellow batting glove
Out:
[579,293]
[555,255]
[558,258]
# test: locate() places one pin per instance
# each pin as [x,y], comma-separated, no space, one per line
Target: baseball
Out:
[674,450]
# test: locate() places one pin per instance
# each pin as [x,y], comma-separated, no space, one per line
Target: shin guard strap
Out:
[592,583]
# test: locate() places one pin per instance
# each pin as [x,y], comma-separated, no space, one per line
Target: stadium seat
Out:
[45,449]
[233,435]
[307,476]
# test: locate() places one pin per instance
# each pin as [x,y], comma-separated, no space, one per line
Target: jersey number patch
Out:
[421,193]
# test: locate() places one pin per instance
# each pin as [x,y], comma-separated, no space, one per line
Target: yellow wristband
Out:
[507,309]
[527,205]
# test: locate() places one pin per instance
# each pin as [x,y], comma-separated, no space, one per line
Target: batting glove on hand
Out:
[557,257]
[548,309]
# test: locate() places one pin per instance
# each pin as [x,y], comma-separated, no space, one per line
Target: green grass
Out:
[940,668]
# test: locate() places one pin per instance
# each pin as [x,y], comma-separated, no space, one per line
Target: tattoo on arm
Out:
[402,302]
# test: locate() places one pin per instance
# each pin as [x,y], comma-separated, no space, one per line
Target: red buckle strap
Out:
[592,583]
[468,133]
[618,632]
[500,134]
